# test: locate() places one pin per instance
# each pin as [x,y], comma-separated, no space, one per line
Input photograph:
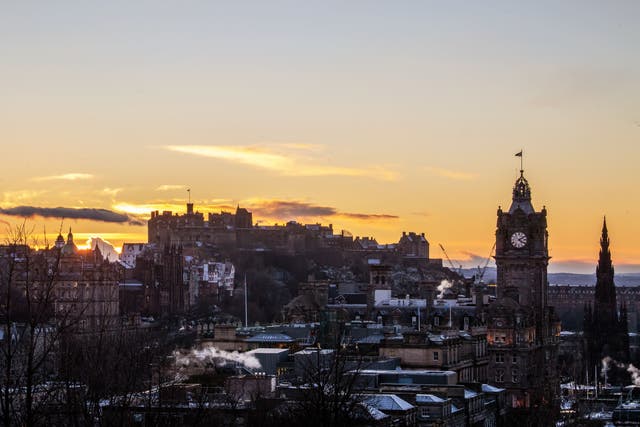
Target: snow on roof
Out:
[388,402]
[124,264]
[270,338]
[491,389]
[469,394]
[371,339]
[375,413]
[428,398]
[268,350]
[131,284]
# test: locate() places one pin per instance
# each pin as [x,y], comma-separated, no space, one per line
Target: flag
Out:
[519,154]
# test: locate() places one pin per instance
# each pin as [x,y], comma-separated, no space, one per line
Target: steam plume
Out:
[212,354]
[445,284]
[607,362]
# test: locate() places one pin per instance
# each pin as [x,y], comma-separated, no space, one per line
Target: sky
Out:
[376,117]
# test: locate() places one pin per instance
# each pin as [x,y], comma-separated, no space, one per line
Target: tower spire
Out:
[605,266]
[521,195]
[605,287]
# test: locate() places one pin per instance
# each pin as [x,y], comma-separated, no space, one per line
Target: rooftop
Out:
[428,398]
[270,338]
[388,402]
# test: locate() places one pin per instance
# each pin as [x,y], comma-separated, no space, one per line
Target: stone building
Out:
[86,288]
[462,352]
[160,270]
[413,245]
[231,231]
[72,287]
[522,329]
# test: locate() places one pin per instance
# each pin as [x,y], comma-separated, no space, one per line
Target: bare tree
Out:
[31,325]
[328,395]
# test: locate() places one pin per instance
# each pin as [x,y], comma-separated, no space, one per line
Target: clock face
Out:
[519,239]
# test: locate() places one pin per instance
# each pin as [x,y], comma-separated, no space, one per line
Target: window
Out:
[515,376]
[499,376]
[436,321]
[499,358]
[514,359]
[436,355]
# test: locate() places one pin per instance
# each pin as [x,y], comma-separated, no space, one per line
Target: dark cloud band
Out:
[293,209]
[92,214]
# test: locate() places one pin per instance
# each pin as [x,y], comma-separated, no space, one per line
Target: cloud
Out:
[113,192]
[91,214]
[13,198]
[64,177]
[291,209]
[363,216]
[473,260]
[451,174]
[170,187]
[283,159]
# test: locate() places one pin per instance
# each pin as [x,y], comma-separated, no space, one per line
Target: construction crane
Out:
[453,267]
[483,269]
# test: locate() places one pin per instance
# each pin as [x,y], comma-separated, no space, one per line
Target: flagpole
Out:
[246,316]
[519,154]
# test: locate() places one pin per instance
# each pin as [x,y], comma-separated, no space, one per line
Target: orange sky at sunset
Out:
[376,118]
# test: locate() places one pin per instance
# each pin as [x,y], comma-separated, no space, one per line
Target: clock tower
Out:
[522,252]
[522,330]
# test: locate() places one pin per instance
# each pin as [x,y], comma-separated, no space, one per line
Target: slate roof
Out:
[469,394]
[270,338]
[388,402]
[491,389]
[371,339]
[428,398]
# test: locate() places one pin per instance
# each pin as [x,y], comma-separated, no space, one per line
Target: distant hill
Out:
[626,279]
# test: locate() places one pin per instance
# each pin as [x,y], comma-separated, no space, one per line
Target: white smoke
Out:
[445,284]
[607,362]
[211,354]
[635,374]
